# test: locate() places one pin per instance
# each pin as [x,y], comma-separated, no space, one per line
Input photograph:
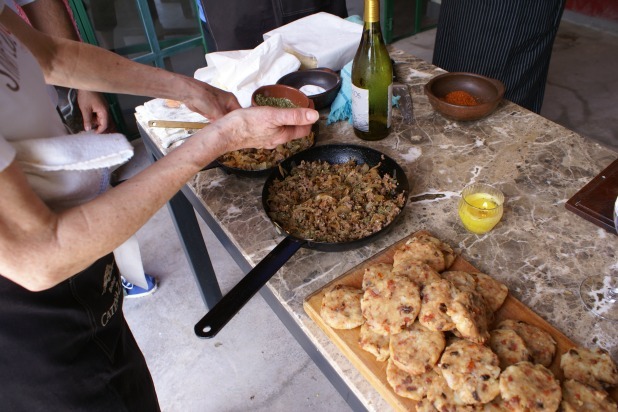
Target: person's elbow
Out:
[34,267]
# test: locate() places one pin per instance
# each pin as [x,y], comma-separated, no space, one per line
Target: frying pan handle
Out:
[235,299]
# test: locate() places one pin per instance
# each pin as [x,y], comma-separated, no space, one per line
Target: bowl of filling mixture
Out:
[259,162]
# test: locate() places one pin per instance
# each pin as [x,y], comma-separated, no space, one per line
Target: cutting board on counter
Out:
[595,201]
[374,371]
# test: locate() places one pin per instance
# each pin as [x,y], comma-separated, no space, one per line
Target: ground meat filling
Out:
[261,159]
[334,203]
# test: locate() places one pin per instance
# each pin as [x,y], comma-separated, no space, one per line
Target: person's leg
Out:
[509,40]
[528,63]
[474,36]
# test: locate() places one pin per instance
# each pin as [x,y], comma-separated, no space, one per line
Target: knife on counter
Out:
[175,123]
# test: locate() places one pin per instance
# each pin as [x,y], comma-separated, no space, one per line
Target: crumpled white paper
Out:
[320,40]
[243,71]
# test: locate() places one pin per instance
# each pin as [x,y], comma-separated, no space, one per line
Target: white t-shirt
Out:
[32,133]
[28,114]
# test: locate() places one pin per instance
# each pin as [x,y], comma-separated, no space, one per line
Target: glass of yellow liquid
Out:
[480,207]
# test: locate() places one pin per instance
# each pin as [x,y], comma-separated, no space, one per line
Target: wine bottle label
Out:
[360,108]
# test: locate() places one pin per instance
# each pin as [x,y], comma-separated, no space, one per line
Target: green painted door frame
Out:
[155,51]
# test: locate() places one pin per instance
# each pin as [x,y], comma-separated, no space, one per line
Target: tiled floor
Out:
[254,363]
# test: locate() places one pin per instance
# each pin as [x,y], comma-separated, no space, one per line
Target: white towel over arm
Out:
[72,169]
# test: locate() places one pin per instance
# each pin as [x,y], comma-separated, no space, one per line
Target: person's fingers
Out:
[99,128]
[102,120]
[296,123]
[262,127]
[93,108]
[311,115]
[87,117]
[289,133]
[290,117]
[233,104]
[211,110]
[302,117]
[292,124]
[211,102]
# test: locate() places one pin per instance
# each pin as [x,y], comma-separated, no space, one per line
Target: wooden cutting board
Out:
[595,201]
[374,371]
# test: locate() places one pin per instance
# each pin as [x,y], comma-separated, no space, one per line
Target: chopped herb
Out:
[262,100]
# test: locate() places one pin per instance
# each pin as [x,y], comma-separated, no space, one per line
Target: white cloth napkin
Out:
[243,71]
[320,40]
[166,136]
[162,109]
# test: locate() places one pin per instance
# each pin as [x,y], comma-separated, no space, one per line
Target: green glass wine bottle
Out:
[372,80]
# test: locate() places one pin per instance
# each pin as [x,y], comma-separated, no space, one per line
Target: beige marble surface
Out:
[540,250]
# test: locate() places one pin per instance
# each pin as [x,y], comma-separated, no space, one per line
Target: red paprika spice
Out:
[460,98]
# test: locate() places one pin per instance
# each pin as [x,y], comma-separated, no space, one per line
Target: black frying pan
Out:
[235,299]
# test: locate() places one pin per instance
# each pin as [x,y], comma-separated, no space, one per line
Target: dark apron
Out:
[69,348]
[508,40]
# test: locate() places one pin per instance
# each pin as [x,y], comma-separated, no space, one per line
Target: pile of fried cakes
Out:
[435,329]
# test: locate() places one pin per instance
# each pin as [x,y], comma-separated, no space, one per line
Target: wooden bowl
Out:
[297,97]
[325,78]
[487,92]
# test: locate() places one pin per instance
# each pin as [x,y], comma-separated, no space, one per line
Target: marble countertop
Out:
[540,250]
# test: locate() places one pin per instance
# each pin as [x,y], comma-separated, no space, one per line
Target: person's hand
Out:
[258,127]
[209,101]
[94,109]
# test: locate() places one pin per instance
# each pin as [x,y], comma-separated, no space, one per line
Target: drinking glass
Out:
[480,207]
[599,293]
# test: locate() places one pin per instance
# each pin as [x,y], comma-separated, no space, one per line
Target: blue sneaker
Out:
[134,291]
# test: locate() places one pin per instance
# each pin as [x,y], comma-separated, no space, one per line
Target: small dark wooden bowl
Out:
[327,79]
[487,92]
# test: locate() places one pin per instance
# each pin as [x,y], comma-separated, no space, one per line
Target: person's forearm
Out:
[83,66]
[100,70]
[121,211]
[40,248]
